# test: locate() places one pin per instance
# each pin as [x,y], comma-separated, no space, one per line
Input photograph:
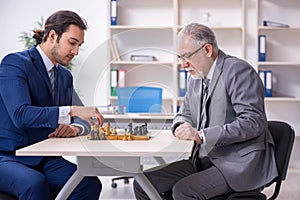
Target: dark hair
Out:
[60,22]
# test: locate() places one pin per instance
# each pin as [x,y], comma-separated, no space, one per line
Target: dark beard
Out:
[57,57]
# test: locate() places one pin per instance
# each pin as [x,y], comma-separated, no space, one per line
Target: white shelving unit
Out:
[282,58]
[150,27]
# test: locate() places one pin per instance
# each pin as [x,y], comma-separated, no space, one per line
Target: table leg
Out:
[147,186]
[69,186]
[159,160]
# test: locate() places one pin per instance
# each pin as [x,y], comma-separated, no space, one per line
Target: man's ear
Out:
[208,50]
[52,36]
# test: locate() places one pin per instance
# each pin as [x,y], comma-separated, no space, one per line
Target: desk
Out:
[110,157]
[158,121]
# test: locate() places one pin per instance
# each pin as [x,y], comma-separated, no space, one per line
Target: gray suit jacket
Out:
[238,141]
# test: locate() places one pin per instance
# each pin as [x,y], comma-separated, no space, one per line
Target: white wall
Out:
[18,16]
[89,70]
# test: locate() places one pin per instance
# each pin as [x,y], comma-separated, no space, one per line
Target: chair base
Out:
[251,195]
[126,180]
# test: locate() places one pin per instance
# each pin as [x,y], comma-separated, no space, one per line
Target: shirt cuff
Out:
[202,137]
[80,127]
[64,117]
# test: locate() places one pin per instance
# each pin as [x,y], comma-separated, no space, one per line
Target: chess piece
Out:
[139,130]
[93,128]
[102,135]
[107,128]
[130,128]
[114,131]
[129,137]
[124,137]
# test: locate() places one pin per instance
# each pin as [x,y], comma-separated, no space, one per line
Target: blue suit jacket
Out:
[27,110]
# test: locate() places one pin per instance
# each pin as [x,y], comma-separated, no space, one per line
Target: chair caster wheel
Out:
[126,181]
[114,185]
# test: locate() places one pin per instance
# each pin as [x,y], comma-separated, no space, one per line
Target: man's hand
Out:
[64,131]
[87,113]
[186,132]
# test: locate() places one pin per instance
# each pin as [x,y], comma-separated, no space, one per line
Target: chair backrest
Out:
[140,99]
[283,135]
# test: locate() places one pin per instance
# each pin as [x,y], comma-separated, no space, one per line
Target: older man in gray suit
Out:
[223,112]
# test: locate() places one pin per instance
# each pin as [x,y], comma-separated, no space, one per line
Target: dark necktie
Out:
[53,81]
[202,122]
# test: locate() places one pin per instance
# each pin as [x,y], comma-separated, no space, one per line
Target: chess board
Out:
[106,133]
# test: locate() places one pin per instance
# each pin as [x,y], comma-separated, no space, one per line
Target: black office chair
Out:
[283,135]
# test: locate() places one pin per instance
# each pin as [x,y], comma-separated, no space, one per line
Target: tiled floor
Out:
[289,190]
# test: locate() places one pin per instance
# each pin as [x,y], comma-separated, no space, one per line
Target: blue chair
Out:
[140,99]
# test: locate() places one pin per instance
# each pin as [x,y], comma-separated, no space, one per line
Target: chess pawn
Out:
[101,132]
[93,128]
[129,137]
[102,135]
[114,131]
[130,130]
[107,129]
[125,136]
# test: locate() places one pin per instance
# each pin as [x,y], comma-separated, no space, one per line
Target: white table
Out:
[110,157]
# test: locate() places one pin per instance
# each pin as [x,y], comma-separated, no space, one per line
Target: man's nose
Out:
[185,64]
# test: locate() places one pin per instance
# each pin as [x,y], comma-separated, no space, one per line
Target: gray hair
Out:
[200,34]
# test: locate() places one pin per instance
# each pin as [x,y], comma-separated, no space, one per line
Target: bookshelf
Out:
[150,27]
[282,58]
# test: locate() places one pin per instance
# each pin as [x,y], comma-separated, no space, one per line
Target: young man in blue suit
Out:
[35,104]
[223,112]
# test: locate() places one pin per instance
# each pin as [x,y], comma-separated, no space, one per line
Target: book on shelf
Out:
[113,12]
[114,50]
[268,83]
[275,24]
[117,80]
[266,77]
[262,47]
[113,82]
[182,82]
[121,78]
[141,58]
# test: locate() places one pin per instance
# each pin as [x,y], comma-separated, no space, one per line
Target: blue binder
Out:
[113,12]
[262,47]
[261,74]
[268,83]
[182,82]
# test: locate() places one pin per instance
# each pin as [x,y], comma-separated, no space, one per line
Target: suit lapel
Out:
[213,83]
[40,66]
[217,73]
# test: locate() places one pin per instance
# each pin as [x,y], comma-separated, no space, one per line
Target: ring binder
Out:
[262,46]
[268,85]
[113,82]
[182,82]
[113,12]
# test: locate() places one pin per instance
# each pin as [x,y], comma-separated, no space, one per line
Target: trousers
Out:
[182,181]
[37,182]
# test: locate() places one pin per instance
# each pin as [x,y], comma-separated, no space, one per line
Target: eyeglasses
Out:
[183,57]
